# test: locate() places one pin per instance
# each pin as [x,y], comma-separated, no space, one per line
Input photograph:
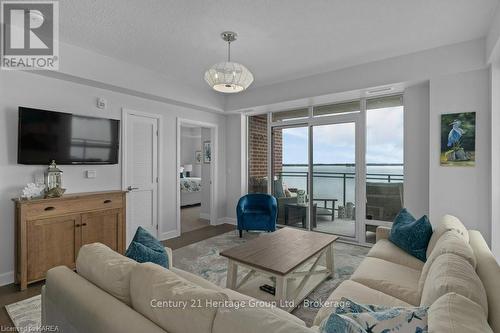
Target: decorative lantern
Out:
[53,176]
[301,197]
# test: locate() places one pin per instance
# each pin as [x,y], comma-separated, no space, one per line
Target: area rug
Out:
[203,259]
[27,314]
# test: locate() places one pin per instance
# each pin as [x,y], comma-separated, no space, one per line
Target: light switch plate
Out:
[91,173]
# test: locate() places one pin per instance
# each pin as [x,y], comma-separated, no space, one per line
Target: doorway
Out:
[140,138]
[196,175]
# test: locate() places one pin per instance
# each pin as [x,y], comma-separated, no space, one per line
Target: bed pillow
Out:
[361,318]
[410,234]
[146,248]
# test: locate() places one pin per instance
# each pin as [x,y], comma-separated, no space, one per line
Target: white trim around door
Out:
[126,113]
[214,130]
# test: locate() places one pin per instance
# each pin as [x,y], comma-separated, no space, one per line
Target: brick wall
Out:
[257,152]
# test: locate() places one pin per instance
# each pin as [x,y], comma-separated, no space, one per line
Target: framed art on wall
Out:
[207,152]
[197,157]
[458,139]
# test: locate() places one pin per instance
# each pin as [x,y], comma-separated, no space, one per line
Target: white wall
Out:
[27,89]
[206,182]
[190,143]
[235,168]
[461,191]
[495,158]
[416,146]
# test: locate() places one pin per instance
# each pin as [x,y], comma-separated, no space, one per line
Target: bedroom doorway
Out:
[195,162]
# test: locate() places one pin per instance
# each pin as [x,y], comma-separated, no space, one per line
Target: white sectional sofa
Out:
[111,293]
[460,280]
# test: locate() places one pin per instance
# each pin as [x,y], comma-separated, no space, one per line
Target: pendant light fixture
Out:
[228,77]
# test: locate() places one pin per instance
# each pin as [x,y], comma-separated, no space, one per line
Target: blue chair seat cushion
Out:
[410,234]
[146,248]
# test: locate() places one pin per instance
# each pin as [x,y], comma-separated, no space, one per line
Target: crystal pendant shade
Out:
[228,77]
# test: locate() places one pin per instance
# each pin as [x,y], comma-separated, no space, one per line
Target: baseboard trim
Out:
[169,234]
[228,220]
[205,216]
[6,278]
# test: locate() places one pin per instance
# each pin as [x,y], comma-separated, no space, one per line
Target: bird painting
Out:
[455,133]
[458,138]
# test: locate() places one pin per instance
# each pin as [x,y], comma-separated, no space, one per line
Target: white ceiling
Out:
[279,40]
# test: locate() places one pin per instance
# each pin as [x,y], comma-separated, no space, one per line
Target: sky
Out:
[335,143]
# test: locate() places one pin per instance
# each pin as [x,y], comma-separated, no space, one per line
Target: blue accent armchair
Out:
[257,211]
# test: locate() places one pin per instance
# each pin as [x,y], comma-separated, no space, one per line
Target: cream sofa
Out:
[460,280]
[110,293]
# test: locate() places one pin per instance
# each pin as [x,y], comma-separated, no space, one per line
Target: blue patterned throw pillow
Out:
[410,234]
[146,248]
[361,318]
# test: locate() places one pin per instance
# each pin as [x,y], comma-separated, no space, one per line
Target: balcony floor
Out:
[340,227]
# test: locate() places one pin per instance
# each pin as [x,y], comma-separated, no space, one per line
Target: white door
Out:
[141,173]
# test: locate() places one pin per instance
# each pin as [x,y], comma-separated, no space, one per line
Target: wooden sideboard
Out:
[50,232]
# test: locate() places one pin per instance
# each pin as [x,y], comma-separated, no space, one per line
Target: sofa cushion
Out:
[447,223]
[450,242]
[488,270]
[107,269]
[172,302]
[452,273]
[358,293]
[454,313]
[410,234]
[393,279]
[250,301]
[146,248]
[384,249]
[358,317]
[254,320]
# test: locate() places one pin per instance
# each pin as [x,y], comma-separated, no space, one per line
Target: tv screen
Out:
[44,136]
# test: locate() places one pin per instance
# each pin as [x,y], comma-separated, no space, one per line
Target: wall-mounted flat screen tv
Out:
[44,136]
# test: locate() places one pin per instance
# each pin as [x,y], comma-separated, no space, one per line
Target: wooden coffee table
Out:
[291,256]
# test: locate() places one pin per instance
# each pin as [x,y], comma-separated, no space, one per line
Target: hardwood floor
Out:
[10,293]
[198,235]
[190,219]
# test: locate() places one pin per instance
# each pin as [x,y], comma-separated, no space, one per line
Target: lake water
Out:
[329,179]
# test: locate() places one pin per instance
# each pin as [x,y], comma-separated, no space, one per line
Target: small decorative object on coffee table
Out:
[291,256]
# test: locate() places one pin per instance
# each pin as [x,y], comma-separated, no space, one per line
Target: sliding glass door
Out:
[290,154]
[334,178]
[334,168]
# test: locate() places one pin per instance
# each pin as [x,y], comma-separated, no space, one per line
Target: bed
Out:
[190,191]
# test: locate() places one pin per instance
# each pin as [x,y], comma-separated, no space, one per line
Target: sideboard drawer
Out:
[57,208]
